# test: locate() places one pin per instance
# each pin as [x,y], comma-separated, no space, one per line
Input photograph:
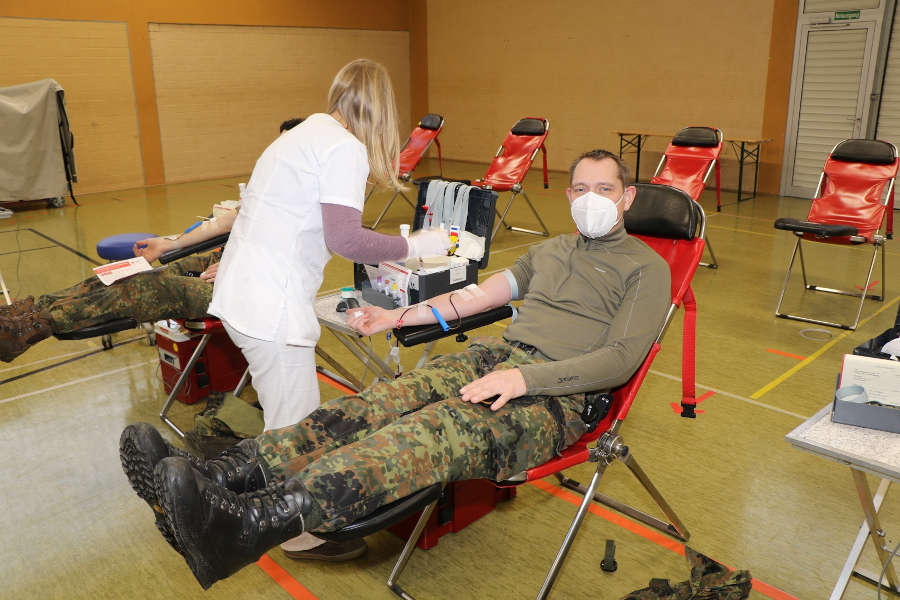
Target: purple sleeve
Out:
[345,235]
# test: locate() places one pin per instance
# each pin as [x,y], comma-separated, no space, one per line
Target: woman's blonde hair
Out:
[363,95]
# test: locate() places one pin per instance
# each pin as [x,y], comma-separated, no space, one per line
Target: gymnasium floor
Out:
[73,528]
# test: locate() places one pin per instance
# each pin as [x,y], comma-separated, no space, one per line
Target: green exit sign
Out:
[846,15]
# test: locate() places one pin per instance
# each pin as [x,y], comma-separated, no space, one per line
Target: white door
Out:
[829,98]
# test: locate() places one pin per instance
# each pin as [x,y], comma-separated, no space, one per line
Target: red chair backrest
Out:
[854,181]
[516,154]
[688,158]
[419,140]
[671,223]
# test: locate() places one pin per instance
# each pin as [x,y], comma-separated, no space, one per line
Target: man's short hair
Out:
[624,171]
[290,124]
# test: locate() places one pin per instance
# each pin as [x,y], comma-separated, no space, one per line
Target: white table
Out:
[864,451]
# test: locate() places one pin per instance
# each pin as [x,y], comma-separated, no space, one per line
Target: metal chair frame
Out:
[877,241]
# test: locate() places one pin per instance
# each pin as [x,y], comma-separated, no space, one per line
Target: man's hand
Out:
[210,273]
[505,383]
[370,319]
[153,248]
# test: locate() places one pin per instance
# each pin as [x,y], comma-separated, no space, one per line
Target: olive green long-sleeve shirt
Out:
[592,306]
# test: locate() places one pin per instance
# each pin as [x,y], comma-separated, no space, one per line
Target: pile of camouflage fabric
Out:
[225,421]
[709,581]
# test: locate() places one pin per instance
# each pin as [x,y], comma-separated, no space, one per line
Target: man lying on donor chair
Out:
[593,303]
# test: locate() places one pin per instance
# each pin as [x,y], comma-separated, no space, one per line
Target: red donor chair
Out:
[673,224]
[687,163]
[512,162]
[855,191]
[411,154]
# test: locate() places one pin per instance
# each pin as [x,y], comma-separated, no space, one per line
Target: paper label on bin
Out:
[457,274]
[115,271]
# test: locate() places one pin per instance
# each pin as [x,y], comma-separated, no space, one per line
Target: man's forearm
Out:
[492,293]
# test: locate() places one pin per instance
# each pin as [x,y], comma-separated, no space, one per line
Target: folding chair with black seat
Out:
[855,188]
[412,153]
[510,165]
[672,224]
[686,164]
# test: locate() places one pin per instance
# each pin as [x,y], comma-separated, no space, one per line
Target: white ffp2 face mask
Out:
[595,215]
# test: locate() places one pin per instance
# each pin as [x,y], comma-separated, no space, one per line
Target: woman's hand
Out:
[370,319]
[504,384]
[153,248]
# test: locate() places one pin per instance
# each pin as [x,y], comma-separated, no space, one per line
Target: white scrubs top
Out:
[273,263]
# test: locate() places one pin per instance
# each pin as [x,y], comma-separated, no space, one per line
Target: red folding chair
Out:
[673,224]
[411,154]
[687,163]
[855,189]
[512,162]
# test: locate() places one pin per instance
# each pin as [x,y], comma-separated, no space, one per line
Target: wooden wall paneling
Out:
[92,63]
[222,91]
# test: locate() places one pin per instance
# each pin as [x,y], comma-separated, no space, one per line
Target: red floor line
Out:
[705,396]
[284,579]
[335,384]
[649,534]
[788,354]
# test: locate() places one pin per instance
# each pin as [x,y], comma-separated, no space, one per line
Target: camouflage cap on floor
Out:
[709,581]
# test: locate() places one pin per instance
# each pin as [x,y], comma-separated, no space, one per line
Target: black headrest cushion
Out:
[702,137]
[431,121]
[873,152]
[662,211]
[529,127]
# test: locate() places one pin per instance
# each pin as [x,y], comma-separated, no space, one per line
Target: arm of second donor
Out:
[153,248]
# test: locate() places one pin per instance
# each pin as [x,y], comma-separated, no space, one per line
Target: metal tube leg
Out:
[850,564]
[632,464]
[384,210]
[503,216]
[714,264]
[545,232]
[242,383]
[185,373]
[787,277]
[408,549]
[875,530]
[862,296]
[573,530]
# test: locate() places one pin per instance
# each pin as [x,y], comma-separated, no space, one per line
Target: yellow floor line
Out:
[76,381]
[781,378]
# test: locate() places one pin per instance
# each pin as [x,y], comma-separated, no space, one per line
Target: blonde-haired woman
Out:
[303,202]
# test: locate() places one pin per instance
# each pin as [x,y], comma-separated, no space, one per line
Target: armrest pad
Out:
[98,330]
[387,515]
[818,229]
[419,334]
[178,253]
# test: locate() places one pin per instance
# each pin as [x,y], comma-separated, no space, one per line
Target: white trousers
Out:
[284,377]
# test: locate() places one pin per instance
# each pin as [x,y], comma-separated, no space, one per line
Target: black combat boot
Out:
[141,447]
[18,332]
[221,531]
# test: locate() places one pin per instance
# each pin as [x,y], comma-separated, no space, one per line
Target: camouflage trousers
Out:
[360,452]
[165,292]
